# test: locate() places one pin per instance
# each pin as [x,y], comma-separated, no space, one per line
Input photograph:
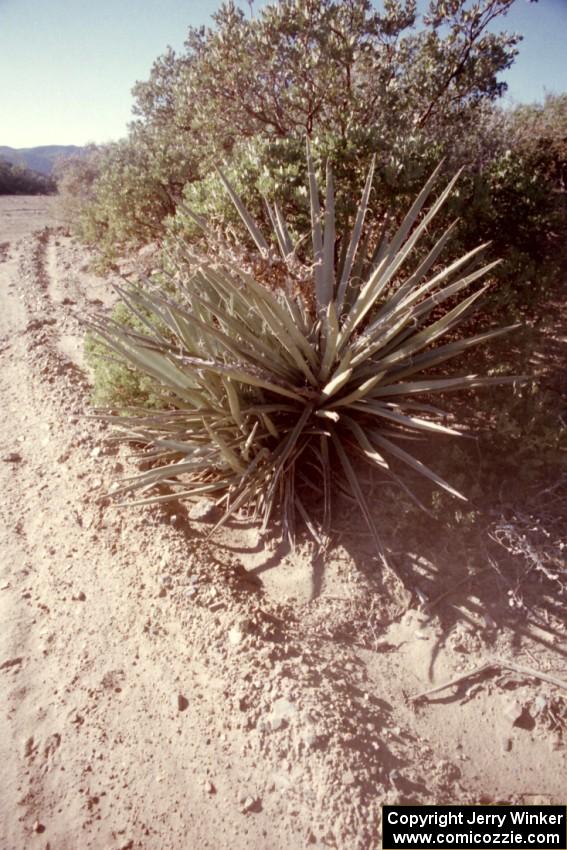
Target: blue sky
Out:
[67,66]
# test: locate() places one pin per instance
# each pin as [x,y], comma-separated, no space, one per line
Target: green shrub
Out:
[277,372]
[117,385]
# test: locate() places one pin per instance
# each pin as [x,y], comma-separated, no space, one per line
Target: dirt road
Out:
[162,691]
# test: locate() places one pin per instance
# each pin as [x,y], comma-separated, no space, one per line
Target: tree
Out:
[329,66]
[358,80]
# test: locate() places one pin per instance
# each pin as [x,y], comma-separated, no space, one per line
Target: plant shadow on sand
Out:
[487,573]
[342,625]
[300,632]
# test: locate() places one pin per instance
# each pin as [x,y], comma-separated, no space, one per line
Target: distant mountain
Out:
[40,159]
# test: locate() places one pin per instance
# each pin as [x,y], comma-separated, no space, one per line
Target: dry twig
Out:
[493,666]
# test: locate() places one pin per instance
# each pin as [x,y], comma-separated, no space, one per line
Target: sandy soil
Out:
[159,690]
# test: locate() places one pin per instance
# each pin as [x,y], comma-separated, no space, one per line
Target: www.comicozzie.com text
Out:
[444,819]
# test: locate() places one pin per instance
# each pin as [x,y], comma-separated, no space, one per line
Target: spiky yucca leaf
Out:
[273,392]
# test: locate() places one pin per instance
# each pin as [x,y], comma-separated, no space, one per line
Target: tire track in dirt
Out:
[99,754]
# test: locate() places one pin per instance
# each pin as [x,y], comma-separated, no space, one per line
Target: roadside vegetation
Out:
[358,82]
[216,157]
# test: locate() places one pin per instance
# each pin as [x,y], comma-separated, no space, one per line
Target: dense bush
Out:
[359,82]
[356,81]
[519,201]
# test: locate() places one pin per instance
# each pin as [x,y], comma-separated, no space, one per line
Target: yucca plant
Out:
[277,375]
